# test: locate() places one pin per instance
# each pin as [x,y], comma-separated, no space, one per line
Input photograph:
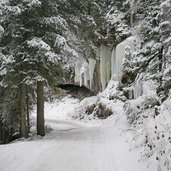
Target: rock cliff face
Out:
[95,74]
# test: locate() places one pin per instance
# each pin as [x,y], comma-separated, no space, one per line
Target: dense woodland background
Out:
[40,40]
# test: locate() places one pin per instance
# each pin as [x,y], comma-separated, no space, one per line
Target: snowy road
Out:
[73,146]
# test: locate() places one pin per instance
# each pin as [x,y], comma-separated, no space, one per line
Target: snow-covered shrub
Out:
[134,108]
[101,106]
[150,117]
[153,130]
[99,110]
[102,111]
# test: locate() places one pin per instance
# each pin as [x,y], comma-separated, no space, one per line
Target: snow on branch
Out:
[53,57]
[31,3]
[57,21]
[1,31]
[114,16]
[60,41]
[38,43]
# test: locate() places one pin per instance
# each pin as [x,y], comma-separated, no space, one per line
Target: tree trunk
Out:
[3,134]
[28,115]
[0,131]
[161,58]
[132,19]
[40,108]
[23,127]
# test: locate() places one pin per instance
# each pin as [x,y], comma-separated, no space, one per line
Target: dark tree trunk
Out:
[40,108]
[132,19]
[0,131]
[7,135]
[23,127]
[28,114]
[161,58]
[161,62]
[3,134]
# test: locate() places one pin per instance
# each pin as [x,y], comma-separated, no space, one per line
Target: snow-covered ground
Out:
[74,145]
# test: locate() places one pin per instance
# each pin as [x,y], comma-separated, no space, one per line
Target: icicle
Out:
[118,56]
[76,79]
[113,61]
[105,65]
[131,93]
[138,90]
[92,63]
[86,75]
[77,72]
[137,87]
[81,74]
[117,61]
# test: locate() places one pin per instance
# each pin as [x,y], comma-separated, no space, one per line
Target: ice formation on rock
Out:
[131,93]
[77,71]
[81,74]
[113,61]
[84,73]
[92,63]
[110,66]
[118,56]
[136,89]
[105,65]
[142,87]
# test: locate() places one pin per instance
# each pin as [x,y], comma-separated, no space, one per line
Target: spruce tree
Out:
[29,53]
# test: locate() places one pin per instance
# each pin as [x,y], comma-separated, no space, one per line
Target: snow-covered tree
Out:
[28,47]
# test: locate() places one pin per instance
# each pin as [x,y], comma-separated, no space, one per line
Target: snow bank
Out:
[152,127]
[60,108]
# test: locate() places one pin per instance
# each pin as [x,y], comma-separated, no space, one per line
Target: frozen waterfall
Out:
[105,65]
[118,56]
[137,89]
[92,64]
[113,61]
[145,87]
[131,93]
[84,73]
[87,73]
[77,72]
[142,87]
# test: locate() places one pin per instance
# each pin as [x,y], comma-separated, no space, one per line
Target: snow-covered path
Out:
[72,146]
